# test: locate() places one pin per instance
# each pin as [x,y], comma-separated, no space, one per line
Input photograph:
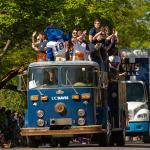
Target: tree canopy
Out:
[18,19]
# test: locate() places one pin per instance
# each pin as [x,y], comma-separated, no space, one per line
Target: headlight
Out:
[44,98]
[34,97]
[60,107]
[81,112]
[81,121]
[142,116]
[40,122]
[75,97]
[86,96]
[40,113]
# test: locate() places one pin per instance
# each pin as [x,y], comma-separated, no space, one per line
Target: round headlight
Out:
[81,121]
[40,113]
[60,107]
[142,116]
[40,122]
[81,112]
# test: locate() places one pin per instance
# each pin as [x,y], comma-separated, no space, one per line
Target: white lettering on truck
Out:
[57,98]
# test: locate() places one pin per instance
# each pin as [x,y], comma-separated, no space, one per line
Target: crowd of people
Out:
[10,123]
[99,46]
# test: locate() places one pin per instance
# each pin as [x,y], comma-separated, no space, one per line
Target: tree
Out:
[18,19]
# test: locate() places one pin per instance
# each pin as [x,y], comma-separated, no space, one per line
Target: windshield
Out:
[79,76]
[135,92]
[43,77]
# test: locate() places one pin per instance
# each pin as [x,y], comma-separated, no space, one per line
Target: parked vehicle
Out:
[137,66]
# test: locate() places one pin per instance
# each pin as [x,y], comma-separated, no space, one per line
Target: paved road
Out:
[128,146]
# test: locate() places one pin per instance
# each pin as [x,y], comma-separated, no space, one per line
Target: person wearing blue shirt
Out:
[94,30]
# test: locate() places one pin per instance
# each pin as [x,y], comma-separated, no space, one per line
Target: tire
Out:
[64,143]
[54,143]
[119,138]
[105,139]
[146,139]
[31,142]
[23,141]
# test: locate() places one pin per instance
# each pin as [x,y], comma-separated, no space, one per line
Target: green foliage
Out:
[16,57]
[12,100]
[19,18]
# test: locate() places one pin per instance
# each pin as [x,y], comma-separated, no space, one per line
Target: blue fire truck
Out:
[67,99]
[137,67]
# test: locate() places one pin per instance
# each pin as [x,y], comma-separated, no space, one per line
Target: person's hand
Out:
[112,39]
[85,32]
[33,45]
[113,31]
[124,74]
[34,33]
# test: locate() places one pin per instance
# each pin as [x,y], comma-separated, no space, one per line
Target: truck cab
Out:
[70,99]
[138,113]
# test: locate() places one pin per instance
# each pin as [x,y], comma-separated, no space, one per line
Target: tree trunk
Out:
[11,74]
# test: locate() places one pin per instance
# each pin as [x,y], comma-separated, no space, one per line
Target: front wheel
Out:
[105,139]
[64,142]
[31,142]
[119,138]
[146,139]
[54,142]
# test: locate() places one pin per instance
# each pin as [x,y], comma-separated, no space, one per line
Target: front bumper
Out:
[75,130]
[137,128]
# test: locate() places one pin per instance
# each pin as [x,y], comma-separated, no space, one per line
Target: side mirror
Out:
[22,82]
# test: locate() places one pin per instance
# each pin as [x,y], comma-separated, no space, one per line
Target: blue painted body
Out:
[49,106]
[137,127]
[142,74]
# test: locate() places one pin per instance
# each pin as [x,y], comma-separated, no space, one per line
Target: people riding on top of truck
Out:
[61,46]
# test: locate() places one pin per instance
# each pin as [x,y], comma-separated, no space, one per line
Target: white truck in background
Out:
[137,67]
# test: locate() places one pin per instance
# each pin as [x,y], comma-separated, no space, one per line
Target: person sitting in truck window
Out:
[49,78]
[114,63]
[122,72]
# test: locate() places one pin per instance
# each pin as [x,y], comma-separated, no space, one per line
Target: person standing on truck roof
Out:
[97,37]
[111,42]
[93,41]
[94,30]
[80,46]
[122,72]
[100,39]
[40,44]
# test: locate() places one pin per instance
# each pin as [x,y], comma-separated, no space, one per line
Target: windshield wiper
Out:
[71,83]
